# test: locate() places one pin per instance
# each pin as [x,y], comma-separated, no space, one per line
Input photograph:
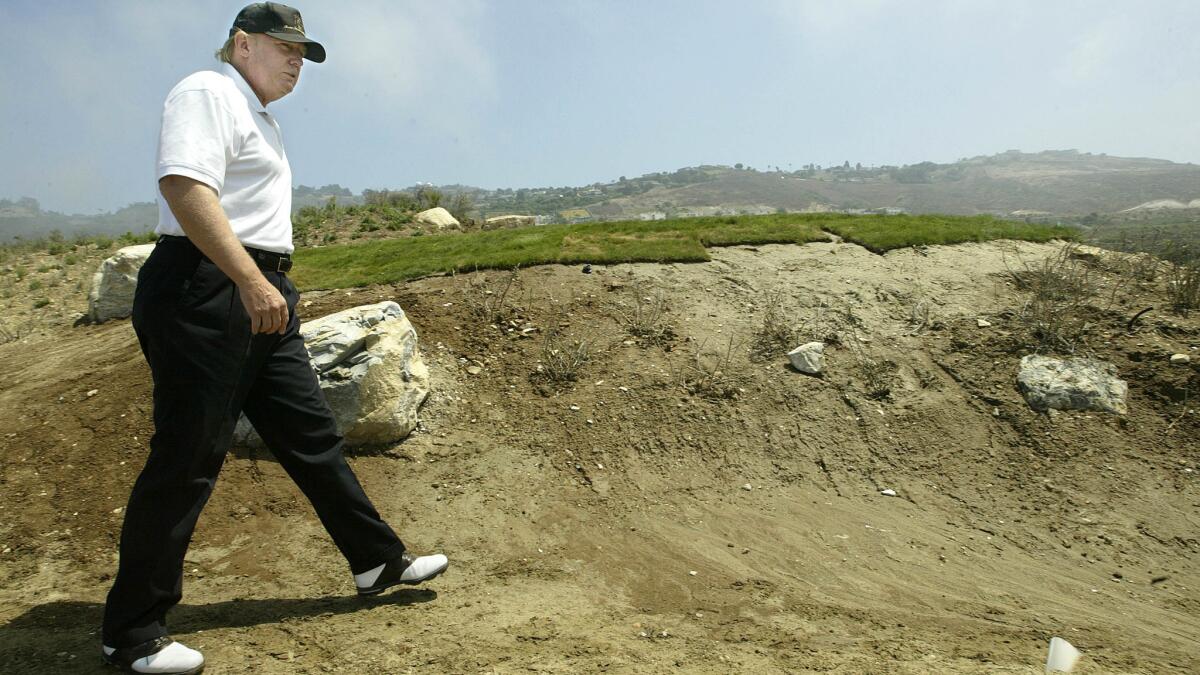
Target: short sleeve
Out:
[197,138]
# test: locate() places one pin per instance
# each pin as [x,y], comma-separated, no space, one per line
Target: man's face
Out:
[273,66]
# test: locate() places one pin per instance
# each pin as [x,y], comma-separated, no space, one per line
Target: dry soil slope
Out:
[605,525]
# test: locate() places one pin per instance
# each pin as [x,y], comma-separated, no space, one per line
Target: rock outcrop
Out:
[114,282]
[370,369]
[1071,384]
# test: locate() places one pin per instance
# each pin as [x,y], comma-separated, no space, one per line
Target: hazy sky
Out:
[513,93]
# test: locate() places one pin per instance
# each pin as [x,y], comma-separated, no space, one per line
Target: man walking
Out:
[215,315]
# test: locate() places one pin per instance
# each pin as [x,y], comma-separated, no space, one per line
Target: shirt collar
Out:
[243,86]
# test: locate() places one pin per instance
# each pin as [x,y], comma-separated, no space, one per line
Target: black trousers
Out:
[207,368]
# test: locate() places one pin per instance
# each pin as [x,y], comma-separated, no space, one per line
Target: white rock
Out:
[497,222]
[983,323]
[747,487]
[114,282]
[370,368]
[888,492]
[1071,384]
[438,217]
[808,358]
[1180,359]
[692,572]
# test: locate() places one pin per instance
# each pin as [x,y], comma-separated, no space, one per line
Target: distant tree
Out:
[738,166]
[846,165]
[428,197]
[461,206]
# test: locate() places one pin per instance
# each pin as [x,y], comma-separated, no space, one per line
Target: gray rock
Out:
[1071,384]
[808,358]
[370,368]
[114,282]
[1180,359]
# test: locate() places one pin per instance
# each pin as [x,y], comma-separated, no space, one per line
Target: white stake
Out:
[1062,657]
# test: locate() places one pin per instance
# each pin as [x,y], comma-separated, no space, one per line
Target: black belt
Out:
[267,261]
[270,261]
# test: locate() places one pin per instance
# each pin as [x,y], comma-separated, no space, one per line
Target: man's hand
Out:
[267,309]
[198,210]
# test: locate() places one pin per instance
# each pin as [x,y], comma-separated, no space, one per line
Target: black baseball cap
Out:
[280,22]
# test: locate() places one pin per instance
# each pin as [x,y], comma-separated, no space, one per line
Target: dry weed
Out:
[775,333]
[1183,286]
[487,297]
[562,358]
[711,374]
[878,377]
[647,319]
[1055,291]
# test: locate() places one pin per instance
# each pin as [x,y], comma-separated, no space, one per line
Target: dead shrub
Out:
[1183,286]
[775,333]
[919,316]
[711,373]
[646,320]
[562,358]
[1055,291]
[878,377]
[487,296]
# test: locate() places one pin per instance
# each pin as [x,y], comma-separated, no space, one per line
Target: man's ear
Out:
[241,43]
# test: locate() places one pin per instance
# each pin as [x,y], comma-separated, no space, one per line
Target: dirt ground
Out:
[681,506]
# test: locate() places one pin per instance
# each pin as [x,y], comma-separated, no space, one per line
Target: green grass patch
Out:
[679,240]
[885,233]
[683,240]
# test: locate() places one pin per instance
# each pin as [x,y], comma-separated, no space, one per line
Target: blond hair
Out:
[225,53]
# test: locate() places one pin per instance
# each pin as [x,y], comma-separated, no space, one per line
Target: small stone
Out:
[983,323]
[888,492]
[1180,359]
[692,572]
[93,392]
[808,358]
[747,487]
[474,370]
[574,407]
[118,509]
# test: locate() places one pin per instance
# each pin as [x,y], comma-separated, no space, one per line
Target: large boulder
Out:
[1071,384]
[500,222]
[438,217]
[371,372]
[114,282]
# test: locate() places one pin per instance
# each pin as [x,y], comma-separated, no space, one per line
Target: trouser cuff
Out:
[393,551]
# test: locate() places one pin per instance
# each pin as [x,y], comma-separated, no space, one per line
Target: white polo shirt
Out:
[216,131]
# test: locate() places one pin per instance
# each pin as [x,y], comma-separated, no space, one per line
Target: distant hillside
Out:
[24,219]
[1054,183]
